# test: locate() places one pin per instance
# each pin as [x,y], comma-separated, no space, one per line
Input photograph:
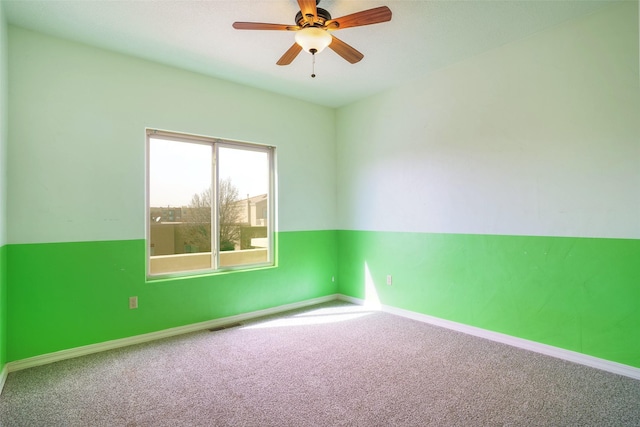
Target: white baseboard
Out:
[3,377]
[571,356]
[352,300]
[560,353]
[138,339]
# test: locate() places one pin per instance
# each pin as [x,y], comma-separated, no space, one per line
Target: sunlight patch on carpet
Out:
[321,316]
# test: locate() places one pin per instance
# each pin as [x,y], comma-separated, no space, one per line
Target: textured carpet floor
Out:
[330,365]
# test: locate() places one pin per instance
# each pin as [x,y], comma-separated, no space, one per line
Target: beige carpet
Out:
[330,365]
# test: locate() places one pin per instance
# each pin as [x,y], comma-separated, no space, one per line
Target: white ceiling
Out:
[196,35]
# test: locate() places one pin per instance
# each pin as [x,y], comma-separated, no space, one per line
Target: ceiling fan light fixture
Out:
[313,39]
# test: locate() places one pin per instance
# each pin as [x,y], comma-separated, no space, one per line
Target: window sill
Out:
[168,277]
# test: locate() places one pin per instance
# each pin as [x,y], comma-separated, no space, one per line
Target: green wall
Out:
[66,295]
[3,305]
[579,294]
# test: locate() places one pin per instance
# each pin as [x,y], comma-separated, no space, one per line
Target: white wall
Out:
[77,139]
[538,137]
[3,187]
[3,126]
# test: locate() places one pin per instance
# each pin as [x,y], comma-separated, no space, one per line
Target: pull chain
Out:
[313,62]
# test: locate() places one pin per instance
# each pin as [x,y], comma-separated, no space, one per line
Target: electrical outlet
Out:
[133,302]
[333,278]
[389,280]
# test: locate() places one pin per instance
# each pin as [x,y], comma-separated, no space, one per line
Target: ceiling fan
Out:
[313,27]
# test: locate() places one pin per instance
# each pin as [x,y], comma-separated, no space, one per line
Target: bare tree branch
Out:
[197,227]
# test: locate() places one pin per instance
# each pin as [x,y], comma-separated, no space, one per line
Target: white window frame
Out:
[215,144]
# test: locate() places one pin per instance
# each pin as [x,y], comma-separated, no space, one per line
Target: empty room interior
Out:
[478,170]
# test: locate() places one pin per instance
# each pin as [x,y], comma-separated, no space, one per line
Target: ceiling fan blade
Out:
[290,55]
[365,17]
[263,26]
[309,10]
[344,50]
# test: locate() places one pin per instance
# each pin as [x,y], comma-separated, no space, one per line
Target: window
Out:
[209,204]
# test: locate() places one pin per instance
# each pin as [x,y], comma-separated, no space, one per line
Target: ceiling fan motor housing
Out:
[323,16]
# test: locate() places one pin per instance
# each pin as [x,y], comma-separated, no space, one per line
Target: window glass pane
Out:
[243,211]
[179,206]
[207,213]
